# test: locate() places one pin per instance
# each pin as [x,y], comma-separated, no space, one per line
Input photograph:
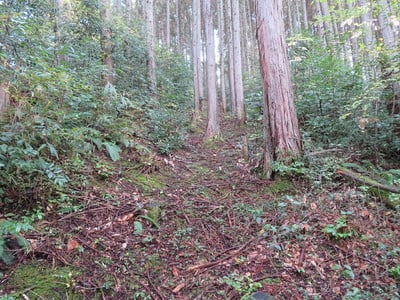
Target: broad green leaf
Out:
[138,228]
[52,150]
[97,142]
[23,242]
[5,255]
[113,150]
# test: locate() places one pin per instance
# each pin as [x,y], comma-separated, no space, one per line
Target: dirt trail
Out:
[210,229]
[210,221]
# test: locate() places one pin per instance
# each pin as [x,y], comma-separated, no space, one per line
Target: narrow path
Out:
[211,207]
[210,229]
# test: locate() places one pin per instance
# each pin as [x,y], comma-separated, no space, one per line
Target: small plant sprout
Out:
[242,284]
[339,230]
[395,273]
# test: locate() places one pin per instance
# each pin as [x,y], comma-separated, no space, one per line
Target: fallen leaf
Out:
[178,288]
[364,267]
[175,271]
[169,162]
[125,218]
[337,290]
[310,290]
[253,255]
[306,227]
[72,244]
[34,244]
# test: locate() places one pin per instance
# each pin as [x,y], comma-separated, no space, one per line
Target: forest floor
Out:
[201,225]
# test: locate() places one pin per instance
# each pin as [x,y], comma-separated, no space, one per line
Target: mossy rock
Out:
[38,281]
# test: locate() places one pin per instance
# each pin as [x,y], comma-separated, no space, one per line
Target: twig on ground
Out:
[220,261]
[155,290]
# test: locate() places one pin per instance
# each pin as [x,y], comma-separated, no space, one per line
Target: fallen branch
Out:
[368,181]
[222,260]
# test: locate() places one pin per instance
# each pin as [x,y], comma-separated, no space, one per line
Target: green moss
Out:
[213,143]
[193,128]
[154,211]
[200,170]
[155,262]
[279,186]
[38,281]
[147,183]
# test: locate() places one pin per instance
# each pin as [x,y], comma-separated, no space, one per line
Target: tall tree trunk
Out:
[246,65]
[129,9]
[368,37]
[237,54]
[334,5]
[178,27]
[63,13]
[390,41]
[304,14]
[168,25]
[297,17]
[250,40]
[213,124]
[353,36]
[117,5]
[149,9]
[389,38]
[106,42]
[317,14]
[186,38]
[221,31]
[230,56]
[367,23]
[289,17]
[282,136]
[4,98]
[344,30]
[328,28]
[196,44]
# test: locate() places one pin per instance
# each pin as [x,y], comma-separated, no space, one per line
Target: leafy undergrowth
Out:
[203,226]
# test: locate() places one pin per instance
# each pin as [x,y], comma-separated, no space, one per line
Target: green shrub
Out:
[339,230]
[27,172]
[336,106]
[168,121]
[395,272]
[165,129]
[10,229]
[64,115]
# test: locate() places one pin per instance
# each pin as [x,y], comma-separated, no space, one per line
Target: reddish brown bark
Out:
[282,136]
